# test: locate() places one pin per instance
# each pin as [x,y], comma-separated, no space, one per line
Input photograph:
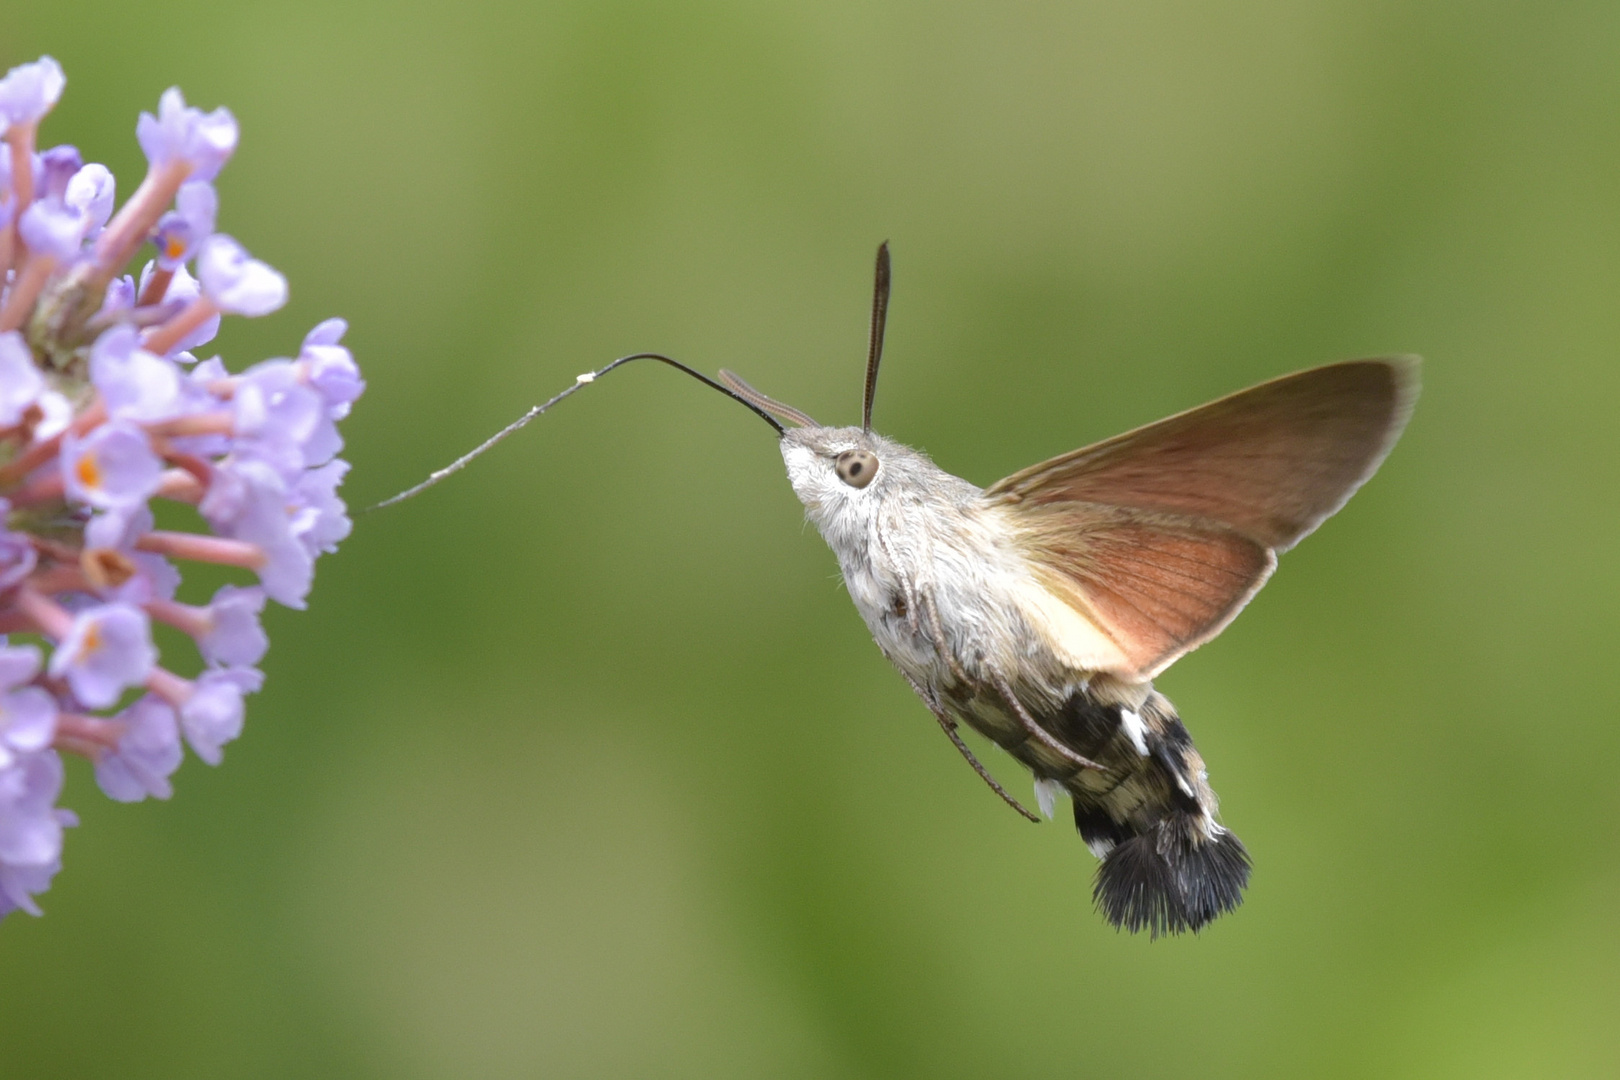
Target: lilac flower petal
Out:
[58,414]
[254,507]
[134,384]
[21,381]
[226,499]
[146,756]
[29,91]
[17,558]
[92,192]
[111,468]
[173,240]
[18,664]
[30,831]
[27,719]
[205,141]
[236,638]
[183,289]
[53,169]
[274,408]
[237,282]
[182,230]
[108,650]
[326,332]
[119,528]
[155,579]
[324,443]
[19,883]
[120,295]
[198,203]
[50,228]
[331,370]
[212,716]
[322,518]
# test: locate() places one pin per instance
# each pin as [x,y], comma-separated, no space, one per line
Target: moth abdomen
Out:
[1148,814]
[1171,877]
[1167,866]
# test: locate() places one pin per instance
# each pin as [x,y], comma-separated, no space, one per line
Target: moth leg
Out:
[1038,733]
[937,631]
[905,585]
[948,726]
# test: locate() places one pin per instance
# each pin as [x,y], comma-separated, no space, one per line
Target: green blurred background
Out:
[584,766]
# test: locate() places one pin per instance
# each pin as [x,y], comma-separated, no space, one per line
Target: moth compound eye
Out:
[857,467]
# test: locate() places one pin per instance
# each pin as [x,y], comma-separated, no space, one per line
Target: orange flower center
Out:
[88,472]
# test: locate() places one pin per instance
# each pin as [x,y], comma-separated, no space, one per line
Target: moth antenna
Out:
[589,377]
[769,404]
[874,346]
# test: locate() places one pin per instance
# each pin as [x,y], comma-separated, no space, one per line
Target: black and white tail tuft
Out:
[1171,878]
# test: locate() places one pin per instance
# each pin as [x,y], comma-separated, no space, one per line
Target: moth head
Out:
[836,467]
[840,474]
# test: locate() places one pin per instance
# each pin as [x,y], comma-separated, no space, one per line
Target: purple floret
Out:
[147,753]
[27,713]
[112,468]
[29,91]
[21,381]
[234,637]
[49,227]
[238,283]
[212,716]
[30,829]
[179,132]
[134,383]
[97,420]
[107,650]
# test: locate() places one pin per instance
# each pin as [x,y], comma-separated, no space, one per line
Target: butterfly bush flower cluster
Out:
[108,411]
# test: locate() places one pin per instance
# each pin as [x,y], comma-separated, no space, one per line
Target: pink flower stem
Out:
[157,286]
[192,620]
[87,736]
[129,227]
[72,745]
[181,485]
[47,487]
[214,423]
[198,548]
[20,138]
[20,141]
[191,463]
[43,451]
[63,577]
[49,618]
[169,686]
[163,339]
[26,289]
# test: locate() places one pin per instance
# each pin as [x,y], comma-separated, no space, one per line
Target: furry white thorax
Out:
[915,536]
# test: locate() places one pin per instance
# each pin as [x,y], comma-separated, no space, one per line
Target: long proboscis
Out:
[584,380]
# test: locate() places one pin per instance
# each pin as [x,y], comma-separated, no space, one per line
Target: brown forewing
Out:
[1161,535]
[1271,462]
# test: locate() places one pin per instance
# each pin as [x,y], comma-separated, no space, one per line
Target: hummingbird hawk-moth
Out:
[1038,610]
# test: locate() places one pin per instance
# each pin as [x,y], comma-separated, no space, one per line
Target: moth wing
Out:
[1272,462]
[1154,587]
[1159,537]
